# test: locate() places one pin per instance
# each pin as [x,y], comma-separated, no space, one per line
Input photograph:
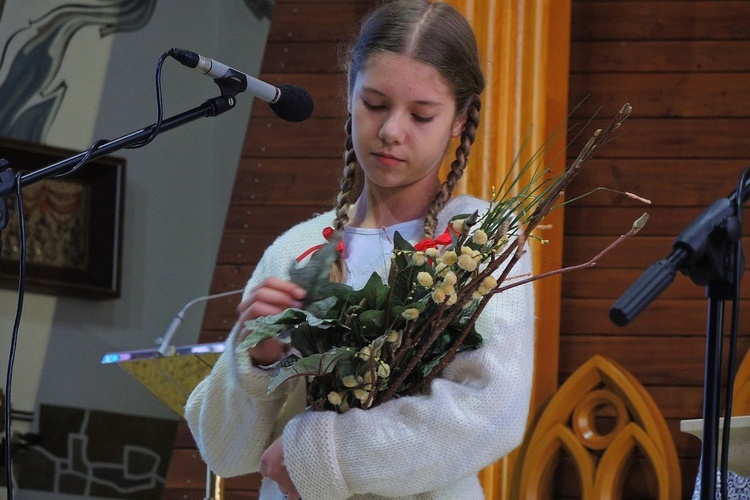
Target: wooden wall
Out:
[685,68]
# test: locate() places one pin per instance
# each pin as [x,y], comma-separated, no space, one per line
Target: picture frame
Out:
[73,224]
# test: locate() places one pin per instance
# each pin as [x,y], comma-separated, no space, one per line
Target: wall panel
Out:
[682,66]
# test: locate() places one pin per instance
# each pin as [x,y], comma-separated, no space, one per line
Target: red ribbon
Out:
[328,232]
[443,239]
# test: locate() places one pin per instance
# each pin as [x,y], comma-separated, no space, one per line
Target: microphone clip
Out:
[232,83]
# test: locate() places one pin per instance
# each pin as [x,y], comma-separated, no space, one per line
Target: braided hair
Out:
[438,35]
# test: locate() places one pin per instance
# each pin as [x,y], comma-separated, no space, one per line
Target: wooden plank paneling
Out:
[638,252]
[675,361]
[304,181]
[316,21]
[695,182]
[308,58]
[665,95]
[275,138]
[190,473]
[654,20]
[683,66]
[707,138]
[606,282]
[624,57]
[666,221]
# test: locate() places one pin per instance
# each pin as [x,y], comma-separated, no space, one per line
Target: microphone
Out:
[288,102]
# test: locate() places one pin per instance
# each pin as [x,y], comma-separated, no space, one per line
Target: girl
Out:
[414,82]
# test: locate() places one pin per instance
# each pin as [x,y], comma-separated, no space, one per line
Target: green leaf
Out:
[310,340]
[374,294]
[315,276]
[279,325]
[261,333]
[267,327]
[372,322]
[322,308]
[315,365]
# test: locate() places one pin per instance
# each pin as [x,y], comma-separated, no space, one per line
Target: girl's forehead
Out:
[392,73]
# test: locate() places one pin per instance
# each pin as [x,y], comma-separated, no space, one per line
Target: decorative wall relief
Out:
[30,59]
[97,454]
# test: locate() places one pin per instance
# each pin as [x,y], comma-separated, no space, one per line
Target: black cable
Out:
[22,264]
[14,337]
[154,132]
[82,161]
[733,334]
[159,104]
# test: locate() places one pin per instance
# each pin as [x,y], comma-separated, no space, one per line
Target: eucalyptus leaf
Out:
[323,308]
[279,325]
[374,294]
[315,365]
[261,333]
[315,275]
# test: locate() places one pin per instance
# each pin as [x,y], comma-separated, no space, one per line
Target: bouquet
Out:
[361,348]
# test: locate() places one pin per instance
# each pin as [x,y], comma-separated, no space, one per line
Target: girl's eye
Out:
[422,119]
[373,107]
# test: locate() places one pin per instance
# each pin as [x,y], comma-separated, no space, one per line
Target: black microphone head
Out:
[294,104]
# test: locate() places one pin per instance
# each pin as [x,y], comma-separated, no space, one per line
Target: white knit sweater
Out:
[419,447]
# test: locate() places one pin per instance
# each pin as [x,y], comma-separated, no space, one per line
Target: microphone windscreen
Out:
[294,104]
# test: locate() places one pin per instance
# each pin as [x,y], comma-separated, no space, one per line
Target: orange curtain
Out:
[524,45]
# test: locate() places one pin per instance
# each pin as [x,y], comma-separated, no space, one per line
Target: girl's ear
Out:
[458,124]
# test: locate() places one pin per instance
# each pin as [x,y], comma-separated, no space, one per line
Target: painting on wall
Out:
[73,225]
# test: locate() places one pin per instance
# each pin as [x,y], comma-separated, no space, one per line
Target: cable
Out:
[159,104]
[14,336]
[22,266]
[733,333]
[154,132]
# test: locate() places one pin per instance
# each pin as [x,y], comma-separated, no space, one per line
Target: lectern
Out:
[171,379]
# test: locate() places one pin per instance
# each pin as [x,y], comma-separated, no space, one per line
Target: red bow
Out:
[443,239]
[327,234]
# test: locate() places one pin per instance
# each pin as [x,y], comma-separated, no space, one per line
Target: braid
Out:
[457,167]
[343,199]
[347,182]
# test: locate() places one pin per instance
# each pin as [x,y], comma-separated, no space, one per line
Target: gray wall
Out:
[177,193]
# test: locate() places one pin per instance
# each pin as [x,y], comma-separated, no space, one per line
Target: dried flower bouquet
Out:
[361,348]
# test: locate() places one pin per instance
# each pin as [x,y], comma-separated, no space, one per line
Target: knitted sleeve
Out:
[230,414]
[473,415]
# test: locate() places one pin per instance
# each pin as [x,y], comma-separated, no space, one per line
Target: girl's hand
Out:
[272,296]
[273,467]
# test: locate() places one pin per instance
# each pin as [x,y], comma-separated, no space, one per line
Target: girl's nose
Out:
[392,130]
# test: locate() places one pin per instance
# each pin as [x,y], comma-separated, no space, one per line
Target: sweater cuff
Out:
[310,456]
[252,379]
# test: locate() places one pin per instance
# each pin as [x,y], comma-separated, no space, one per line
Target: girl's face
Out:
[403,116]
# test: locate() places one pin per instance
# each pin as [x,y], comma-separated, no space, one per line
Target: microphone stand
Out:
[9,182]
[212,107]
[708,251]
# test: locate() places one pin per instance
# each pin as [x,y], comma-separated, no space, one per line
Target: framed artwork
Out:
[73,224]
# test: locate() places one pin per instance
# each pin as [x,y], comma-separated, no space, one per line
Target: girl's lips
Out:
[387,160]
